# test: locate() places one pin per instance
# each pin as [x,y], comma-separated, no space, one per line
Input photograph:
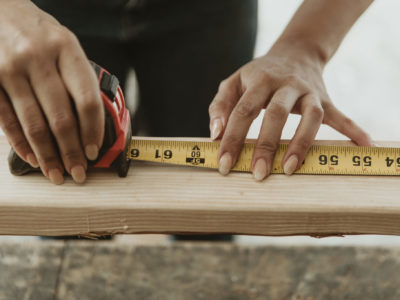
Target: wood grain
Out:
[171,199]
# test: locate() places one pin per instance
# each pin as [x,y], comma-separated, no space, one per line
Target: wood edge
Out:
[94,222]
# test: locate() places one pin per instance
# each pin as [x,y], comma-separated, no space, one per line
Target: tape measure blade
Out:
[321,159]
[177,152]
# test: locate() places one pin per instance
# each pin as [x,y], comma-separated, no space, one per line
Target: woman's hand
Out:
[42,69]
[286,80]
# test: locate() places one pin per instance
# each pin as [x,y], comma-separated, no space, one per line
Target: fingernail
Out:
[225,163]
[290,165]
[216,129]
[78,174]
[56,176]
[92,151]
[31,158]
[260,169]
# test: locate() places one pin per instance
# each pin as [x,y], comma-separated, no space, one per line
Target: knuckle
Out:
[4,110]
[27,49]
[264,77]
[73,155]
[19,144]
[10,125]
[213,108]
[328,107]
[232,141]
[266,146]
[247,110]
[55,42]
[46,73]
[37,131]
[224,84]
[90,104]
[48,159]
[62,37]
[9,67]
[62,123]
[216,107]
[277,110]
[65,34]
[294,81]
[316,112]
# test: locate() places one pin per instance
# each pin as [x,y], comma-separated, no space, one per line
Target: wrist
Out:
[306,49]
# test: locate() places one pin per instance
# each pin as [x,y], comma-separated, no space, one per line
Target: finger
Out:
[312,115]
[56,105]
[223,103]
[81,83]
[246,110]
[12,129]
[339,121]
[274,120]
[35,128]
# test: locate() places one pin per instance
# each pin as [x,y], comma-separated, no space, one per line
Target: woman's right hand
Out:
[42,69]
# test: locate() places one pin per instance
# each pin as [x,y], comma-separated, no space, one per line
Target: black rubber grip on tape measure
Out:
[109,84]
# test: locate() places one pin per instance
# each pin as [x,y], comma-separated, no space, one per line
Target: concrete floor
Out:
[103,270]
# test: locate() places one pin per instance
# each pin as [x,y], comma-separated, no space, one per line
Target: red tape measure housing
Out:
[114,104]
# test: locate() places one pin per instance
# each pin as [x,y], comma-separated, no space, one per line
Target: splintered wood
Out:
[171,199]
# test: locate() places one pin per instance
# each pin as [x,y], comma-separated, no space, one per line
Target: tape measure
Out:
[321,159]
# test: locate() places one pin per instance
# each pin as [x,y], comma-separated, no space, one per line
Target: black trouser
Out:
[179,49]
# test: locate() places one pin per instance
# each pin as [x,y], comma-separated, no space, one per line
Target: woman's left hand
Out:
[286,80]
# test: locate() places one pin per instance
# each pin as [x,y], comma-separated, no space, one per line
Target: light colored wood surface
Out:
[169,199]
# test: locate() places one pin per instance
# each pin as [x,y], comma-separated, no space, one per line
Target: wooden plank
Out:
[170,199]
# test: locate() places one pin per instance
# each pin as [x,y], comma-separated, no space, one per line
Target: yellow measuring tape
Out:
[339,160]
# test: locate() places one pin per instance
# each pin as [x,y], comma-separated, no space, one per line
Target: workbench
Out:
[172,199]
